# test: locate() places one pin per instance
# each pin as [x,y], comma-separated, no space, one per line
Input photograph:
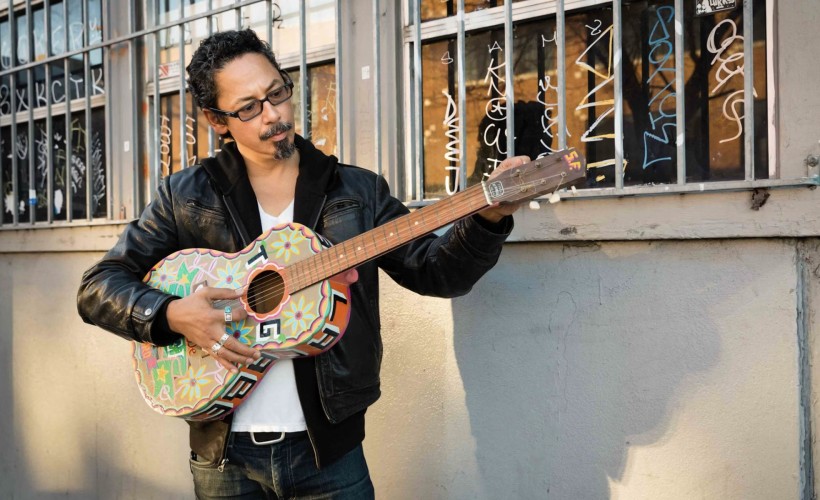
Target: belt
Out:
[266,438]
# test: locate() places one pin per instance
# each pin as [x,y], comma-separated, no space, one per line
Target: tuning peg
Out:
[555,197]
[534,205]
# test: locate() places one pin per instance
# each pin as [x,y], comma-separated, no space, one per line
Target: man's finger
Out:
[347,277]
[515,161]
[244,354]
[221,293]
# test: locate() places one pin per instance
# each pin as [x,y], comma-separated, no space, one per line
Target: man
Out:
[300,432]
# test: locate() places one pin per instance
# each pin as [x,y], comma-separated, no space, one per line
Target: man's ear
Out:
[218,122]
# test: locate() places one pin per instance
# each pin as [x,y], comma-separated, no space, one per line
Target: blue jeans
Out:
[282,470]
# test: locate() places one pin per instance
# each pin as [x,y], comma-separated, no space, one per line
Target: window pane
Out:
[6,153]
[61,174]
[169,40]
[5,63]
[486,104]
[650,93]
[83,166]
[298,124]
[437,9]
[23,50]
[20,150]
[255,17]
[321,23]
[440,125]
[39,36]
[323,107]
[58,29]
[5,43]
[715,132]
[195,138]
[536,88]
[42,159]
[76,27]
[21,91]
[286,32]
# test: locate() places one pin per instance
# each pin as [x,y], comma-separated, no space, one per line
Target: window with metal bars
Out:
[52,90]
[653,108]
[69,90]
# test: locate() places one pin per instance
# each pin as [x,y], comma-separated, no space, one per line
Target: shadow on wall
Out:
[574,358]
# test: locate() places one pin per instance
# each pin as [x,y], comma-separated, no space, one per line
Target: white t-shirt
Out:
[274,405]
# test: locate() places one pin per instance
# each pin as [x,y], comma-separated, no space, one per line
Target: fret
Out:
[376,246]
[453,214]
[395,233]
[407,219]
[340,258]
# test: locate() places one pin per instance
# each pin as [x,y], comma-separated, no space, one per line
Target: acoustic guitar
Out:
[294,306]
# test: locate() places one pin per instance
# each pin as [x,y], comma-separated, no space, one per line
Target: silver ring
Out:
[228,314]
[215,348]
[224,338]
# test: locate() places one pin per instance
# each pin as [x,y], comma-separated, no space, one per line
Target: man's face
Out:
[268,136]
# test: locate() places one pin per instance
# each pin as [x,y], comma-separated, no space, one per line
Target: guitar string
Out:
[277,288]
[271,286]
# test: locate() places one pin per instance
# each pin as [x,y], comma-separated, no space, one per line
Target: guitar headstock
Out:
[562,169]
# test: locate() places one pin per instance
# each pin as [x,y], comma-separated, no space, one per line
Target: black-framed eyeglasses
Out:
[254,108]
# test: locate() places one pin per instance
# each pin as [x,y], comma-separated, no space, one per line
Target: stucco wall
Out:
[73,423]
[620,370]
[612,370]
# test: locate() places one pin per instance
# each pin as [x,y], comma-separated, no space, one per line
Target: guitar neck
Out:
[383,239]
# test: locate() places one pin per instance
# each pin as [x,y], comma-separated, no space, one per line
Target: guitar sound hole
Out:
[265,292]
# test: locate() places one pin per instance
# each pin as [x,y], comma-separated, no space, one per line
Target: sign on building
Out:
[707,7]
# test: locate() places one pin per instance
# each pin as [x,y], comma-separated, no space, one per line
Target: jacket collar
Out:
[317,174]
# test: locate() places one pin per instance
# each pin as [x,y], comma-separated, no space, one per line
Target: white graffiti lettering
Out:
[660,59]
[453,148]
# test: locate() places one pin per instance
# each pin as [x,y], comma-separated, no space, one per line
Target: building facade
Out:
[651,335]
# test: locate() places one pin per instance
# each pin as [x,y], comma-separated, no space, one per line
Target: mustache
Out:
[276,130]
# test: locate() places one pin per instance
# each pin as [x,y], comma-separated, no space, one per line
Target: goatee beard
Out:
[284,148]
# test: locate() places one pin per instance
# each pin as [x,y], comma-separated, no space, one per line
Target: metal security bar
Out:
[377,95]
[457,25]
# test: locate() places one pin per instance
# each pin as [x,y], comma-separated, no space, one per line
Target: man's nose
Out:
[270,112]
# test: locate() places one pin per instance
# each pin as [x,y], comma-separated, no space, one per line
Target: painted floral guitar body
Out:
[294,307]
[185,381]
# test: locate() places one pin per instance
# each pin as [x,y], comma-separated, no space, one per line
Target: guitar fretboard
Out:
[383,239]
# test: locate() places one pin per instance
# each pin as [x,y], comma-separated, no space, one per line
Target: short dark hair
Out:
[213,54]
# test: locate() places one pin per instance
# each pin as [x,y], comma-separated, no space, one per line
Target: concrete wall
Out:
[610,370]
[615,370]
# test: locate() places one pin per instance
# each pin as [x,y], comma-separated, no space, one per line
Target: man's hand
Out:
[497,211]
[201,323]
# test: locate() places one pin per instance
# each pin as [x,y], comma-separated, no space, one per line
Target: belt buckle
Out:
[271,441]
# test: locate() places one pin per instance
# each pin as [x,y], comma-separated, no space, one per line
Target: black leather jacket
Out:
[213,206]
